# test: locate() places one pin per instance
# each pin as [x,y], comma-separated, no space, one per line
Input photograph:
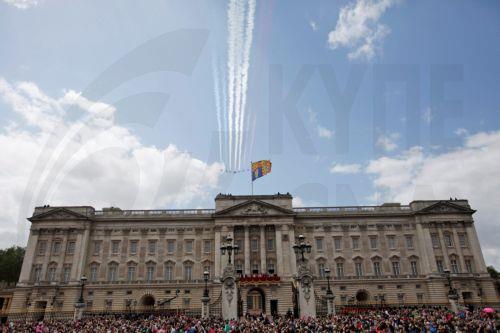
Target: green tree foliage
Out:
[11,260]
[493,272]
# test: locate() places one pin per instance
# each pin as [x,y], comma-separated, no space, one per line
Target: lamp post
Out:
[80,304]
[307,300]
[83,279]
[452,293]
[206,298]
[329,294]
[302,247]
[229,248]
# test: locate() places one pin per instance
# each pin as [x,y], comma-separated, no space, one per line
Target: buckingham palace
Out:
[115,260]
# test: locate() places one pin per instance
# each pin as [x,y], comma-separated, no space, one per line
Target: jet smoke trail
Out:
[231,55]
[215,73]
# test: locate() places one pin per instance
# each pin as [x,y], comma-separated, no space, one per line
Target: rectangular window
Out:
[112,273]
[319,244]
[187,302]
[93,273]
[338,243]
[170,246]
[115,247]
[448,240]
[409,242]
[150,273]
[391,242]
[435,240]
[462,238]
[42,247]
[66,273]
[340,269]
[468,266]
[188,272]
[254,244]
[207,268]
[355,243]
[420,298]
[70,248]
[414,268]
[37,273]
[56,248]
[376,268]
[133,247]
[239,243]
[454,266]
[255,268]
[373,242]
[321,270]
[439,264]
[97,248]
[270,268]
[189,246]
[169,272]
[207,246]
[51,274]
[358,267]
[131,273]
[395,268]
[270,244]
[152,246]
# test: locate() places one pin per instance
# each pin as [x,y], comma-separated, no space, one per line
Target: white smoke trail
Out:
[244,73]
[215,73]
[223,84]
[231,55]
[239,34]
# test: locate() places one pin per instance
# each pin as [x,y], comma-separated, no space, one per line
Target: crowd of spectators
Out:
[414,320]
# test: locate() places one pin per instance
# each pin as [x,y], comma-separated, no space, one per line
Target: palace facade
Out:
[133,260]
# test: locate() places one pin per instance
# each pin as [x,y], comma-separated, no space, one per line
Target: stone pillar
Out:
[82,254]
[29,257]
[456,240]
[217,258]
[205,307]
[279,251]
[229,294]
[307,299]
[476,248]
[263,268]
[444,249]
[292,258]
[247,250]
[428,263]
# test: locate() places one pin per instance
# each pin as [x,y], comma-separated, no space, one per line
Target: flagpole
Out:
[251,175]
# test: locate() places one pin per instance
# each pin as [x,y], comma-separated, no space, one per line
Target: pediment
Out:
[58,214]
[254,208]
[445,207]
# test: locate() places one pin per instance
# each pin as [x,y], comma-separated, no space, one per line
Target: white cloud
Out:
[387,142]
[313,25]
[358,28]
[428,115]
[297,202]
[461,131]
[51,159]
[324,132]
[22,4]
[470,171]
[345,168]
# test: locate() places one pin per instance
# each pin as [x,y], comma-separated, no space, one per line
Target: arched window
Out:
[396,267]
[377,266]
[188,271]
[94,272]
[358,266]
[339,267]
[169,270]
[131,271]
[112,271]
[150,271]
[414,269]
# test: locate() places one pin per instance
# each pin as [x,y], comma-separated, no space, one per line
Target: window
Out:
[454,265]
[150,272]
[319,244]
[188,271]
[131,273]
[420,298]
[51,273]
[189,246]
[70,248]
[37,273]
[270,267]
[373,242]
[170,246]
[255,268]
[112,272]
[439,264]
[169,271]
[321,270]
[462,238]
[97,248]
[93,272]
[409,242]
[395,268]
[435,240]
[414,268]
[66,273]
[42,247]
[391,242]
[186,302]
[355,243]
[115,247]
[401,298]
[376,268]
[133,247]
[448,240]
[254,244]
[207,246]
[338,243]
[468,266]
[358,268]
[270,244]
[152,246]
[340,269]
[207,268]
[56,248]
[239,267]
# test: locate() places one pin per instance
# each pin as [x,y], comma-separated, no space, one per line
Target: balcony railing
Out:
[155,212]
[352,209]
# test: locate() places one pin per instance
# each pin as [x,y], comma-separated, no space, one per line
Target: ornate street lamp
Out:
[206,275]
[302,247]
[229,248]
[82,285]
[451,290]
[327,275]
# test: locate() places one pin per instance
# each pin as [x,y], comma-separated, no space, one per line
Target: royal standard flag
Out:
[260,168]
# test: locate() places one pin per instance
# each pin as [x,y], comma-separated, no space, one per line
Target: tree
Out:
[11,260]
[493,272]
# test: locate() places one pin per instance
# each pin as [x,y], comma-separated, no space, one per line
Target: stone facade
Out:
[137,259]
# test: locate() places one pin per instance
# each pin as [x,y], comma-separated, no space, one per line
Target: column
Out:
[425,250]
[247,250]
[459,250]
[29,257]
[217,270]
[292,258]
[263,268]
[279,251]
[82,254]
[444,249]
[476,248]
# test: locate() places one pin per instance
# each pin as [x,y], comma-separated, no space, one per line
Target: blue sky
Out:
[423,122]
